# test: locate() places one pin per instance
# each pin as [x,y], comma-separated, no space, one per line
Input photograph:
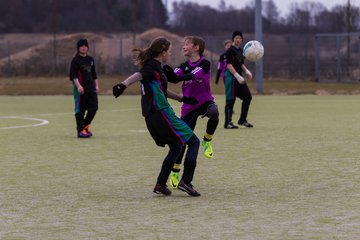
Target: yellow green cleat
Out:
[208,151]
[174,179]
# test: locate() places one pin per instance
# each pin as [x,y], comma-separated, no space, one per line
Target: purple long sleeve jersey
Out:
[222,65]
[199,87]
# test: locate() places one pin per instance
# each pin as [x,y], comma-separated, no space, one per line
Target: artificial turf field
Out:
[296,175]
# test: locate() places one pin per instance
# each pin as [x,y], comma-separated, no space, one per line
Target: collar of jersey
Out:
[193,64]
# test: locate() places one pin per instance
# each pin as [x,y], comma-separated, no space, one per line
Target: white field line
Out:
[66,113]
[44,121]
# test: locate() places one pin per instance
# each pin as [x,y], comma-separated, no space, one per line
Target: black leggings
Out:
[81,122]
[189,164]
[208,109]
[86,106]
[243,92]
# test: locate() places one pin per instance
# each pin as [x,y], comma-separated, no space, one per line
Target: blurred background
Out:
[310,42]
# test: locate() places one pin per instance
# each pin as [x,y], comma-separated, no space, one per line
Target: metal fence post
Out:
[258,36]
[317,57]
[338,63]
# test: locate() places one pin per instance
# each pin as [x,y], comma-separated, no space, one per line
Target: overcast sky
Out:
[283,5]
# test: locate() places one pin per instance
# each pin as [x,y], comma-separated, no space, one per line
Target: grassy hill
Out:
[34,54]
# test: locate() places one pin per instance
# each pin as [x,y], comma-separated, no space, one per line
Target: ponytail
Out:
[157,46]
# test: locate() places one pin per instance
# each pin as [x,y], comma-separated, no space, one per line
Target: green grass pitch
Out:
[296,175]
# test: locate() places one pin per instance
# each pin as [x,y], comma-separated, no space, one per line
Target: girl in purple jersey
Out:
[222,64]
[199,88]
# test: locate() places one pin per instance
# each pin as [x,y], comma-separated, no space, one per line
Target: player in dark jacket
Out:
[235,83]
[164,126]
[86,86]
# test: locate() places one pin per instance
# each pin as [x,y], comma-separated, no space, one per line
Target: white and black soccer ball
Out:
[253,50]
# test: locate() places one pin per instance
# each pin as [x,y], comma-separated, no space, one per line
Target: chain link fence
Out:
[337,57]
[287,56]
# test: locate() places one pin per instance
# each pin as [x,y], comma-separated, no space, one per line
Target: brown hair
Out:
[197,41]
[157,46]
[226,42]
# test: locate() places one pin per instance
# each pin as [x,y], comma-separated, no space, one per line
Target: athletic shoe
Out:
[188,188]
[174,179]
[158,189]
[87,129]
[83,134]
[230,125]
[245,124]
[208,151]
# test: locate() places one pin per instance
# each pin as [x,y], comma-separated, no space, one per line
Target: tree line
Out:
[66,16]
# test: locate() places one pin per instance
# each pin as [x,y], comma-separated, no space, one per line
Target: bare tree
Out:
[271,11]
[304,16]
[350,17]
[328,21]
[271,16]
[222,5]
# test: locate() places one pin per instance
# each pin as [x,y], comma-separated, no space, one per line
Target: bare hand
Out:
[80,90]
[248,74]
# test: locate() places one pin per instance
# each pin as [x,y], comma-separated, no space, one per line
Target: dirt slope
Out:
[108,47]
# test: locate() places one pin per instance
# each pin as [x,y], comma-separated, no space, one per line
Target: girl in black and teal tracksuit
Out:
[84,78]
[164,126]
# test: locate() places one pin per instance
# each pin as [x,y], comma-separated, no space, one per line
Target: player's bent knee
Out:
[214,113]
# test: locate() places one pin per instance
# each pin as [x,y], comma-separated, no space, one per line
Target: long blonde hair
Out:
[157,46]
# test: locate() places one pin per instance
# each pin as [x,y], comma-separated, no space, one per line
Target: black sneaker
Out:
[158,189]
[245,124]
[188,188]
[230,125]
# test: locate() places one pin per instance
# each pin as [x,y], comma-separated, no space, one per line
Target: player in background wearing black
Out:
[85,88]
[164,126]
[236,75]
[221,68]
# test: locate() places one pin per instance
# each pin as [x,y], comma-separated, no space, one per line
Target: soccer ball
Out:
[253,50]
